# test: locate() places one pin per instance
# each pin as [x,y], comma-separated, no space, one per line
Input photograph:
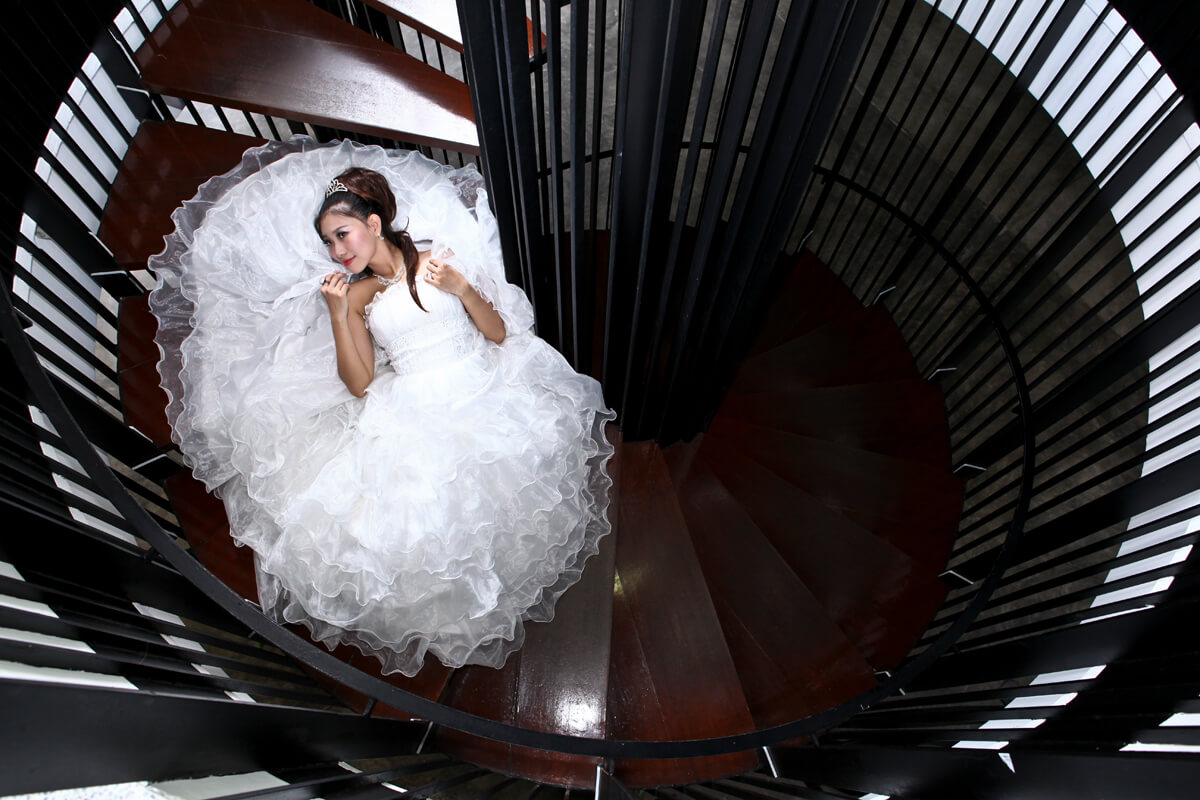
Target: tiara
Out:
[335,185]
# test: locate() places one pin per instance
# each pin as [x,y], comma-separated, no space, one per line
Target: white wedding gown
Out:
[458,499]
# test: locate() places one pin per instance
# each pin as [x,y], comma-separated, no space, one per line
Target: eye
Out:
[341,234]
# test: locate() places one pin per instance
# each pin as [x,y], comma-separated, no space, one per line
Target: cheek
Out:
[367,244]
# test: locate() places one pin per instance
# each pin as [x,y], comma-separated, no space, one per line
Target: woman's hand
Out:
[446,278]
[336,289]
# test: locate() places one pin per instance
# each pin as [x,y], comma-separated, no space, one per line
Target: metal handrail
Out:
[142,524]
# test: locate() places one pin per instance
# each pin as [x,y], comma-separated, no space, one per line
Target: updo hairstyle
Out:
[368,193]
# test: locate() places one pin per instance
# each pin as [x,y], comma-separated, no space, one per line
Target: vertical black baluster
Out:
[695,146]
[579,43]
[554,100]
[670,73]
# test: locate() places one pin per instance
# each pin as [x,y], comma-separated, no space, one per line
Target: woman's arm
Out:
[355,352]
[485,317]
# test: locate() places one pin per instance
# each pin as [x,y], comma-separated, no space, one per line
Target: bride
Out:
[413,468]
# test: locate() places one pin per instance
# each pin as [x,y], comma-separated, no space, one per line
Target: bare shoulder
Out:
[362,291]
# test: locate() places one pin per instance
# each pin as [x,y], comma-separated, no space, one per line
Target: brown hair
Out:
[367,192]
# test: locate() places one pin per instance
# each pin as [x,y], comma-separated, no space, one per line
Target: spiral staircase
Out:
[820,495]
[790,545]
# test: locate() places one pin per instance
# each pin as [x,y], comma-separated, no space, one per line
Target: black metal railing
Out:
[63,394]
[1029,276]
[1074,215]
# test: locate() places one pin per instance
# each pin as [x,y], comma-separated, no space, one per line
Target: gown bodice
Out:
[417,341]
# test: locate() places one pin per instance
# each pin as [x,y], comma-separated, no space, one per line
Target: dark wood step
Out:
[165,164]
[143,401]
[903,418]
[792,657]
[671,675]
[809,297]
[136,327]
[290,59]
[869,584]
[899,500]
[556,683]
[206,528]
[864,347]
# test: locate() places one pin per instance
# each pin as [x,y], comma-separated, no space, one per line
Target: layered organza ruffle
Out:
[459,498]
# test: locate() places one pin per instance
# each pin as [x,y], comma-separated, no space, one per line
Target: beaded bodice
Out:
[416,341]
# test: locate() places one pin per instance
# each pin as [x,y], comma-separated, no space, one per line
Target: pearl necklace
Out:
[390,281]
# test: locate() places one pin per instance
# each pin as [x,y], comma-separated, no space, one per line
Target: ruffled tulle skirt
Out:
[458,503]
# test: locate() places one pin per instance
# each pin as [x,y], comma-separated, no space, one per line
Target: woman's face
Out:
[350,241]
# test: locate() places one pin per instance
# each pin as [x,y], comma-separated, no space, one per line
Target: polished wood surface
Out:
[849,350]
[835,454]
[906,499]
[904,417]
[774,622]
[206,528]
[668,650]
[808,297]
[164,166]
[560,679]
[490,693]
[290,59]
[878,594]
[143,402]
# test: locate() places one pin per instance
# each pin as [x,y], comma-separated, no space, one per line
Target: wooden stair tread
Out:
[560,680]
[667,646]
[873,588]
[489,693]
[770,617]
[855,349]
[877,491]
[289,58]
[136,327]
[143,401]
[165,164]
[810,296]
[206,528]
[903,418]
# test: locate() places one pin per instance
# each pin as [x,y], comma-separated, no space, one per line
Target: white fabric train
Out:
[459,498]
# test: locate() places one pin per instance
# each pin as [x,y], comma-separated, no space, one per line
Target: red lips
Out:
[347,262]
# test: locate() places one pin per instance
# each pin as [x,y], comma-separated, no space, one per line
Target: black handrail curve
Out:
[308,653]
